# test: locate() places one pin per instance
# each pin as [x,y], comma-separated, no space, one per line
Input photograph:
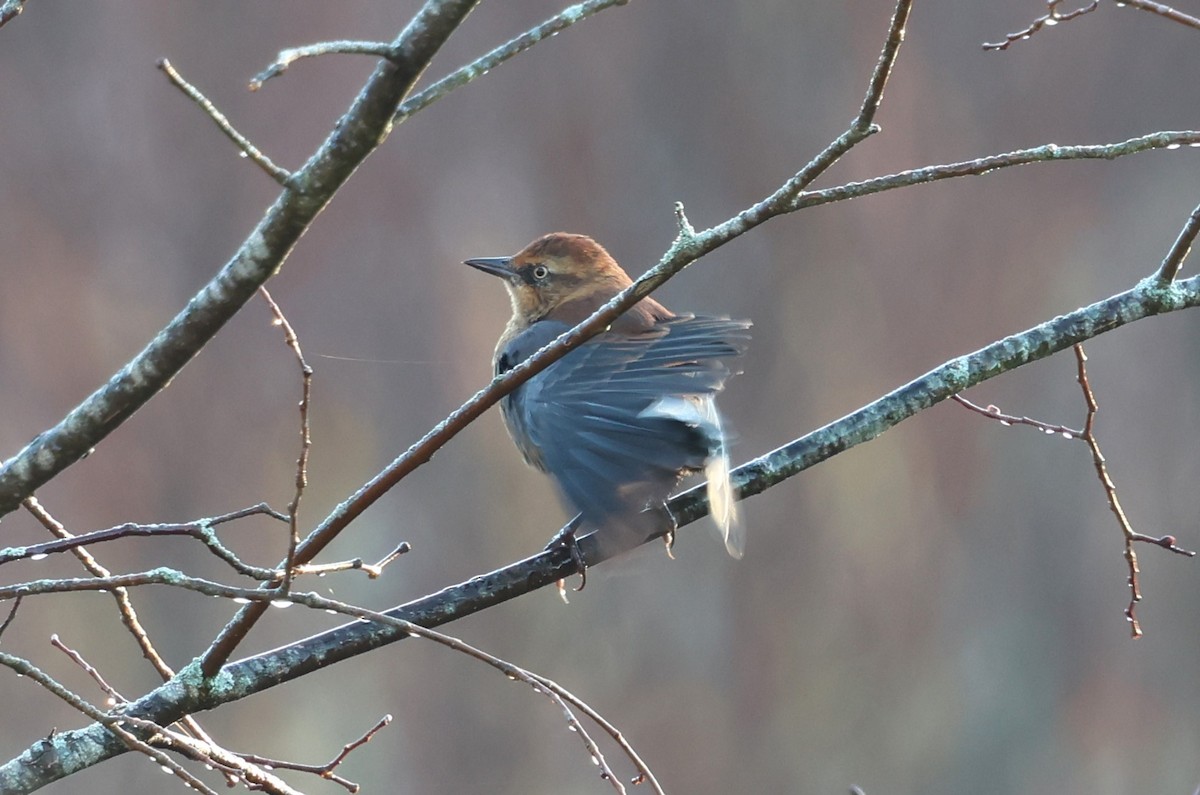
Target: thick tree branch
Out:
[362,128]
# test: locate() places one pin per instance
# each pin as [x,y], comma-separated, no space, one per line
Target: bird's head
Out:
[560,276]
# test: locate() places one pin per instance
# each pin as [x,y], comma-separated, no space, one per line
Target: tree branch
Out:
[360,130]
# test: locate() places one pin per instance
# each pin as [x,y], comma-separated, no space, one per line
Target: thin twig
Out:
[1110,489]
[1049,20]
[115,698]
[372,570]
[1088,437]
[376,570]
[1180,248]
[859,130]
[285,58]
[1170,140]
[325,771]
[12,614]
[280,175]
[1114,504]
[644,774]
[200,529]
[90,670]
[113,723]
[481,66]
[233,767]
[884,66]
[1162,10]
[560,695]
[161,575]
[994,413]
[306,374]
[125,609]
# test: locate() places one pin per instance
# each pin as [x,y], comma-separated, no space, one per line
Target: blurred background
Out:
[938,611]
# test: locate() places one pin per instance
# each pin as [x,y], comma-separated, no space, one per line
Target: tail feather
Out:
[722,505]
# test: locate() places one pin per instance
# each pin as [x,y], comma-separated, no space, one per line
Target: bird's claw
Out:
[567,539]
[669,535]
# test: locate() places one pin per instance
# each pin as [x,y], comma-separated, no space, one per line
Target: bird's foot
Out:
[567,538]
[669,535]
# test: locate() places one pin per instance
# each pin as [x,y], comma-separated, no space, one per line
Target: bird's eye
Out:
[540,272]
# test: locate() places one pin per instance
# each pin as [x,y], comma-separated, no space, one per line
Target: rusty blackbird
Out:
[618,421]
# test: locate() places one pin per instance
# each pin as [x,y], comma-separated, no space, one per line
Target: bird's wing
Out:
[617,420]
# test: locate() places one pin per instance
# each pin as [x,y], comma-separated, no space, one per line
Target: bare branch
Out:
[234,768]
[481,66]
[325,771]
[1114,504]
[280,175]
[376,570]
[156,576]
[360,130]
[558,694]
[1148,298]
[113,724]
[994,413]
[125,607]
[1181,248]
[1055,16]
[395,627]
[980,166]
[1164,11]
[1049,20]
[306,374]
[200,529]
[883,68]
[1088,437]
[12,614]
[380,49]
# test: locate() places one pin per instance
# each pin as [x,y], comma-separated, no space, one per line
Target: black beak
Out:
[497,266]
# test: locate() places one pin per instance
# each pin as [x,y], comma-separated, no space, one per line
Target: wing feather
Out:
[619,420]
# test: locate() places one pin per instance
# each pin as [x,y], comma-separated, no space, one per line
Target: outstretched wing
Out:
[619,420]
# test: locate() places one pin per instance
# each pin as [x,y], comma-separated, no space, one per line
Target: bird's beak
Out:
[497,266]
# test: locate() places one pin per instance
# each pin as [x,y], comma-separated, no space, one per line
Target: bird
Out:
[620,420]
